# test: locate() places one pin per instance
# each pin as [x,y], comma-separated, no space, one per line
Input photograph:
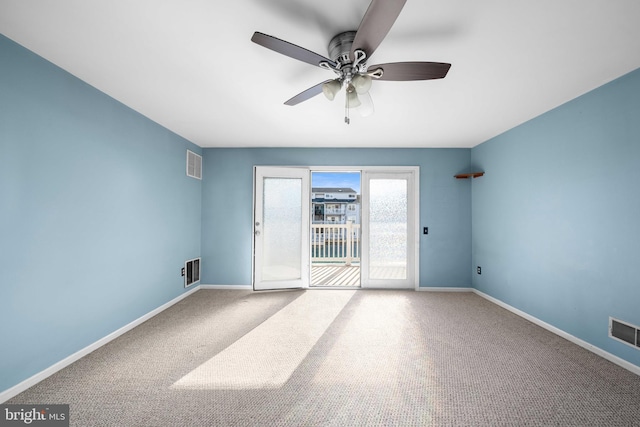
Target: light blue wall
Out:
[556,218]
[97,215]
[227,191]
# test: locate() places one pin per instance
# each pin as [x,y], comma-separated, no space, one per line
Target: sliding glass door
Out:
[385,243]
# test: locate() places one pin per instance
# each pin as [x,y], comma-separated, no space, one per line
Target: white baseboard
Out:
[442,289]
[33,380]
[592,348]
[232,287]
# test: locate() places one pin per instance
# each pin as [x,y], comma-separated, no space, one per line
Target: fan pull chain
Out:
[347,120]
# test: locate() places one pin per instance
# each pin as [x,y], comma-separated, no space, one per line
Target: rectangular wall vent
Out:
[625,332]
[194,165]
[192,272]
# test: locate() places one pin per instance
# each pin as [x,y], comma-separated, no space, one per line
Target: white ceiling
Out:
[190,65]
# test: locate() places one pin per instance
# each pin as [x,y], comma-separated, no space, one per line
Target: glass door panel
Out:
[281,224]
[388,238]
[389,231]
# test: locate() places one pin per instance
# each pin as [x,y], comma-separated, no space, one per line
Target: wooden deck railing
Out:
[335,243]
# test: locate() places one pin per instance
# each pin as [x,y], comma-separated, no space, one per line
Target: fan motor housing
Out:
[340,47]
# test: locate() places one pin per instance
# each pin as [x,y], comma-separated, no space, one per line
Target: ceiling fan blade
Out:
[375,25]
[307,94]
[289,49]
[405,71]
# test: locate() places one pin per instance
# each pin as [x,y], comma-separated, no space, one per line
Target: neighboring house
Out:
[335,205]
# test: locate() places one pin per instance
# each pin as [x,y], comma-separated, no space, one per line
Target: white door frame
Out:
[411,174]
[414,194]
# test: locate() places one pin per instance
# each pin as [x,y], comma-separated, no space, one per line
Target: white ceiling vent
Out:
[194,165]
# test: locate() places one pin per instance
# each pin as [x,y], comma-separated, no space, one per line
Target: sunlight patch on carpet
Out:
[368,349]
[267,356]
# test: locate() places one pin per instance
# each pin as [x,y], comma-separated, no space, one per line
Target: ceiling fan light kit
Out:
[349,52]
[331,89]
[362,83]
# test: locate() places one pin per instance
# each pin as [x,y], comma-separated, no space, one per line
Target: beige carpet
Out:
[341,358]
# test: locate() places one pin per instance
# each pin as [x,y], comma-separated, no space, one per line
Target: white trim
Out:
[355,168]
[253,221]
[416,225]
[415,170]
[592,348]
[442,289]
[412,176]
[33,380]
[231,287]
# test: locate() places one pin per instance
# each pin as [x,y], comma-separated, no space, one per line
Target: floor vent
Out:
[194,165]
[625,332]
[192,272]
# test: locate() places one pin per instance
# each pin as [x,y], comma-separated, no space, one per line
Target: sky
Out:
[336,179]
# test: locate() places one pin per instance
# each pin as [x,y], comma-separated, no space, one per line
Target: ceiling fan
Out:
[349,52]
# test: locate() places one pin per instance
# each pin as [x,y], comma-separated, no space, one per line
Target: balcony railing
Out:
[335,243]
[335,211]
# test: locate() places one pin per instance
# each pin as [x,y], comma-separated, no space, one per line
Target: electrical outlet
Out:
[182,272]
[479,270]
[425,230]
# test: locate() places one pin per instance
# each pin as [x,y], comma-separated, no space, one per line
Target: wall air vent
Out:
[194,165]
[625,332]
[192,272]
